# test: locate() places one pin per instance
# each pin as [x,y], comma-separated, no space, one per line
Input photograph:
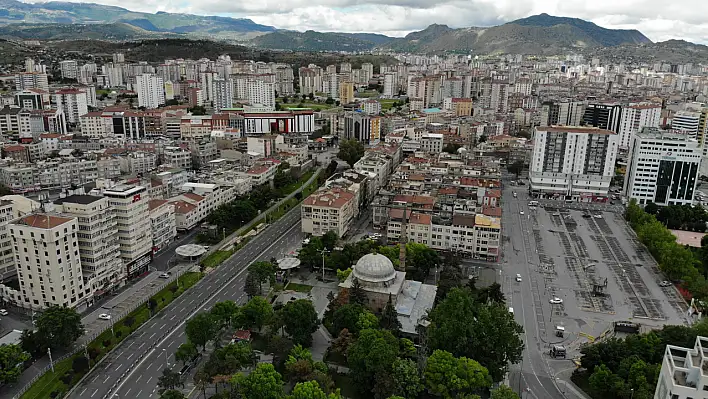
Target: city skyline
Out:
[398,18]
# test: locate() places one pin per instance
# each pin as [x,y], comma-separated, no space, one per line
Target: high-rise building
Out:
[130,204]
[69,69]
[29,65]
[390,84]
[310,79]
[635,118]
[99,250]
[118,58]
[567,113]
[603,116]
[72,102]
[662,168]
[7,256]
[261,93]
[687,122]
[362,127]
[223,94]
[206,83]
[367,71]
[151,90]
[48,261]
[573,162]
[682,374]
[162,221]
[346,92]
[31,80]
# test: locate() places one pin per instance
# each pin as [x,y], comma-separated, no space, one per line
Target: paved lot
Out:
[560,253]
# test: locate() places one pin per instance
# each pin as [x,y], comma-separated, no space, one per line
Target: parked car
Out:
[3,312]
[556,301]
[165,275]
[664,283]
[521,212]
[518,277]
[104,316]
[598,216]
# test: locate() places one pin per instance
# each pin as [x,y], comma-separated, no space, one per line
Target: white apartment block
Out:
[432,143]
[663,168]
[138,163]
[684,372]
[371,107]
[7,257]
[571,161]
[686,122]
[69,69]
[390,84]
[151,90]
[260,92]
[310,79]
[97,235]
[48,261]
[130,205]
[224,94]
[178,157]
[329,210]
[31,80]
[73,103]
[636,117]
[163,222]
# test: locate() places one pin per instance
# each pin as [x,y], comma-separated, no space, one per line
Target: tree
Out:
[201,329]
[312,390]
[504,392]
[224,313]
[251,287]
[11,359]
[186,352]
[450,377]
[492,293]
[256,312]
[5,190]
[406,379]
[375,351]
[422,258]
[230,359]
[603,382]
[367,320]
[330,240]
[168,380]
[59,326]
[350,151]
[451,148]
[263,383]
[329,101]
[516,168]
[347,317]
[356,293]
[458,321]
[300,319]
[343,274]
[651,208]
[32,343]
[262,271]
[197,110]
[389,318]
[172,394]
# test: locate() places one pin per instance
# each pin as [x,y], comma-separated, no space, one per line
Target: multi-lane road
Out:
[133,368]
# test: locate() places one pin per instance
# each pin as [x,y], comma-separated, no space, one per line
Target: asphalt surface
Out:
[133,368]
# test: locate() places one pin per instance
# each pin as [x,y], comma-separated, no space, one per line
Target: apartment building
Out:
[329,210]
[186,215]
[151,90]
[346,92]
[130,205]
[260,92]
[635,118]
[261,173]
[687,122]
[72,102]
[23,123]
[663,168]
[32,80]
[432,143]
[7,257]
[603,116]
[69,69]
[177,157]
[575,162]
[48,261]
[310,79]
[163,223]
[371,107]
[97,237]
[362,127]
[140,162]
[684,372]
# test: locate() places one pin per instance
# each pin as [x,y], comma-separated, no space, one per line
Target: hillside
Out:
[117,31]
[670,51]
[539,34]
[319,41]
[160,49]
[13,11]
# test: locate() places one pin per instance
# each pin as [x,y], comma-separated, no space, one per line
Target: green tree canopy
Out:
[406,379]
[11,359]
[449,376]
[350,151]
[201,329]
[504,392]
[256,312]
[374,352]
[300,320]
[230,359]
[312,390]
[172,394]
[59,326]
[186,352]
[458,322]
[168,380]
[262,383]
[225,313]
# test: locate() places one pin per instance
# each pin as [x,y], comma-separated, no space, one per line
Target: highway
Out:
[133,368]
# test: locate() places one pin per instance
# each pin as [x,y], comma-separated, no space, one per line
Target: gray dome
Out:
[374,268]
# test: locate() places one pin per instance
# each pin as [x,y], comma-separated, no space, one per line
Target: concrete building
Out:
[663,168]
[223,94]
[362,127]
[72,102]
[683,372]
[69,69]
[32,80]
[603,116]
[571,161]
[346,92]
[686,122]
[48,261]
[130,204]
[178,157]
[635,118]
[310,79]
[567,113]
[371,107]
[97,237]
[329,210]
[432,143]
[7,256]
[163,223]
[151,90]
[390,84]
[261,92]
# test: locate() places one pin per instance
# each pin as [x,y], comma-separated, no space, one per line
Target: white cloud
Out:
[657,19]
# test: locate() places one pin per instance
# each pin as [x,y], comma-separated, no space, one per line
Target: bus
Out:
[627,327]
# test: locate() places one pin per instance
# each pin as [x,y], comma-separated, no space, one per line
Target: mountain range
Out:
[538,34]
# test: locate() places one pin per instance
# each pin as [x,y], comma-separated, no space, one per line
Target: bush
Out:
[106,343]
[67,377]
[79,364]
[55,394]
[129,321]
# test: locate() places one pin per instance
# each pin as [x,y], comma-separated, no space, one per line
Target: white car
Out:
[165,275]
[664,283]
[556,301]
[598,216]
[521,212]
[518,277]
[3,312]
[104,316]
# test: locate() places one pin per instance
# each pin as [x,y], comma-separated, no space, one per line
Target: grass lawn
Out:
[99,347]
[216,258]
[298,287]
[387,104]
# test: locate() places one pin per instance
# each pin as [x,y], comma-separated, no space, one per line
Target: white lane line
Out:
[141,345]
[94,392]
[148,381]
[153,334]
[173,317]
[127,392]
[118,367]
[181,333]
[107,377]
[131,355]
[141,391]
[82,392]
[223,287]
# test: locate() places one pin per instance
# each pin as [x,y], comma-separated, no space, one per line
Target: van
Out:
[511,310]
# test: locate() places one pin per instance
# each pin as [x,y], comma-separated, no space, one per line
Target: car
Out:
[556,301]
[521,212]
[518,277]
[587,215]
[3,312]
[598,216]
[514,194]
[665,283]
[165,275]
[206,247]
[104,316]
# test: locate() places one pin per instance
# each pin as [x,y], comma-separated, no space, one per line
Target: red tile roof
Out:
[156,203]
[43,221]
[332,198]
[193,197]
[183,207]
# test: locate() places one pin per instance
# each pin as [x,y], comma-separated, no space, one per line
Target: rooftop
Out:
[78,199]
[332,198]
[43,221]
[574,129]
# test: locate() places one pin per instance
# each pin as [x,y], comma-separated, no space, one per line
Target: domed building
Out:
[379,279]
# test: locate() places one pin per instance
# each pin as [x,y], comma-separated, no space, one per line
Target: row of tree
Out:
[677,261]
[619,368]
[682,217]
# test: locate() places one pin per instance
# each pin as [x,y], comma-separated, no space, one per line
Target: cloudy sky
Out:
[659,20]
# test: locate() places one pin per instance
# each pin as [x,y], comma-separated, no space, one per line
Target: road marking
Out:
[173,317]
[127,392]
[107,377]
[181,333]
[213,295]
[148,381]
[141,345]
[131,355]
[148,367]
[153,334]
[94,392]
[141,391]
[82,392]
[139,377]
[118,367]
[164,325]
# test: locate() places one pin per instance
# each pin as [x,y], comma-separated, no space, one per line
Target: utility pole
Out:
[51,362]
